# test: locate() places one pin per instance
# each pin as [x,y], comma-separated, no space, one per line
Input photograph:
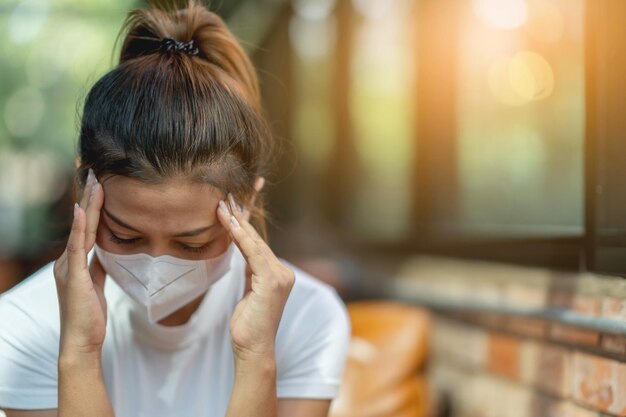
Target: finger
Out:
[237,211]
[93,214]
[245,224]
[61,262]
[246,214]
[60,267]
[87,189]
[76,257]
[253,253]
[258,186]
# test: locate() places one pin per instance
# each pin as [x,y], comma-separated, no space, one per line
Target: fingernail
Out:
[223,208]
[234,222]
[89,176]
[75,210]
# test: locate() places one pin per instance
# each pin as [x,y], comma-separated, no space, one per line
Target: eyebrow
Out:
[193,232]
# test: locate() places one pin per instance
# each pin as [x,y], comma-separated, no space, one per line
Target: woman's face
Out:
[177,218]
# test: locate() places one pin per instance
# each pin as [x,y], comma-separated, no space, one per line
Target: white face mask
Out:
[165,283]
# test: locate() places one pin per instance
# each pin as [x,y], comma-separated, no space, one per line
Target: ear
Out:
[77,162]
[258,184]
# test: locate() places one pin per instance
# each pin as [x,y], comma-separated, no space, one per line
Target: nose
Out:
[157,249]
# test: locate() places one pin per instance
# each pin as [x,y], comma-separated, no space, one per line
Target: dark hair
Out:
[163,114]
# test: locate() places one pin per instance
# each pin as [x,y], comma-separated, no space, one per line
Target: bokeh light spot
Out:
[502,14]
[27,20]
[500,84]
[23,111]
[531,76]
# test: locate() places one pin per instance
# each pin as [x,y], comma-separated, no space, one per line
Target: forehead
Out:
[174,205]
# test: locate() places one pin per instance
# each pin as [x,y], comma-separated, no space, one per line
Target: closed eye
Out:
[121,241]
[194,249]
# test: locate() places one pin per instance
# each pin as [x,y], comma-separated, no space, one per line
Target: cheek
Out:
[100,236]
[220,245]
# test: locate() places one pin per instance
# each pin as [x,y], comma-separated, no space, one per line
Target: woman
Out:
[198,316]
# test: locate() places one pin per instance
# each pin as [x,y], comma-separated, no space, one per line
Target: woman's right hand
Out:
[80,287]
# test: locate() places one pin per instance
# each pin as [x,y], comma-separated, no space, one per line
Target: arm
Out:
[81,387]
[81,390]
[31,413]
[254,394]
[82,307]
[256,317]
[254,325]
[292,407]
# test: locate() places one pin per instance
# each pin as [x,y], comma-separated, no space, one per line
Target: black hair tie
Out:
[169,45]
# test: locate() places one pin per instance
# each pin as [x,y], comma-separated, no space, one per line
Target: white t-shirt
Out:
[152,370]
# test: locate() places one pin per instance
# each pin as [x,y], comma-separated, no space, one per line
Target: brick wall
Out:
[488,362]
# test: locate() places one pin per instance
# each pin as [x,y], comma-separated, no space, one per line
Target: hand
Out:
[256,317]
[80,288]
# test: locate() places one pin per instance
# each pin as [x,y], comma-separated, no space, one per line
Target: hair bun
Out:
[193,30]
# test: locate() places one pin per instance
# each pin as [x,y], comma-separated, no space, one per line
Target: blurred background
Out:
[431,149]
[410,125]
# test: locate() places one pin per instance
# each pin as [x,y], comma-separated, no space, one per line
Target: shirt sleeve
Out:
[311,353]
[28,353]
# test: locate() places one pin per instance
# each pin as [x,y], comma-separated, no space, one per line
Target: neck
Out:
[183,314]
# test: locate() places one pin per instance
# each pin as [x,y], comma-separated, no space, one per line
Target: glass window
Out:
[521,118]
[313,37]
[382,109]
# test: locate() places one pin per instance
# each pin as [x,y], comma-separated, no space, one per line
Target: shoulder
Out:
[29,342]
[312,340]
[33,302]
[314,314]
[314,299]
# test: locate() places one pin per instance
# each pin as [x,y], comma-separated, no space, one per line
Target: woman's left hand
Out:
[255,320]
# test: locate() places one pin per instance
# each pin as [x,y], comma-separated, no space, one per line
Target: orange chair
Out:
[384,375]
